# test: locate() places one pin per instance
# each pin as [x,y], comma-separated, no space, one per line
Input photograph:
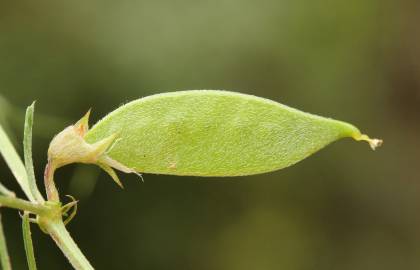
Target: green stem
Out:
[56,228]
[23,205]
[62,238]
[49,219]
[4,254]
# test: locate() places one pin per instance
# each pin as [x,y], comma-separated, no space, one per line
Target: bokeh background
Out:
[345,207]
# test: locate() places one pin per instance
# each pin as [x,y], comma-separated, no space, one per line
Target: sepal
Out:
[69,146]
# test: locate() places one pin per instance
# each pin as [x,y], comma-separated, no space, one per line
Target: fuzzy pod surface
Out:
[215,133]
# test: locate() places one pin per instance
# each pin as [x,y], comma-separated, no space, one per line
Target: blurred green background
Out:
[345,207]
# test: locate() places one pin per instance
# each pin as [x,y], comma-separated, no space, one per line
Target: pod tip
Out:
[374,143]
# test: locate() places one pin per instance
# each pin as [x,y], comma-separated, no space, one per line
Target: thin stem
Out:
[4,254]
[56,228]
[27,150]
[23,205]
[27,240]
[62,238]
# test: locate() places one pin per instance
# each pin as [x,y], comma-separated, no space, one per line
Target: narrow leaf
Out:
[214,133]
[5,191]
[27,150]
[27,240]
[15,163]
[4,254]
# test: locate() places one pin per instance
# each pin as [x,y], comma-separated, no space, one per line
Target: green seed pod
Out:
[208,133]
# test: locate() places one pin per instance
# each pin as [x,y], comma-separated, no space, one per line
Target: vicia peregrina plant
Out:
[198,133]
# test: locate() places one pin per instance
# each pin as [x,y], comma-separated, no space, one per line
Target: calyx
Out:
[69,146]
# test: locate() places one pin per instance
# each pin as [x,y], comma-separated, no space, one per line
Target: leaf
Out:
[15,163]
[5,191]
[27,241]
[24,174]
[27,150]
[4,253]
[214,133]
